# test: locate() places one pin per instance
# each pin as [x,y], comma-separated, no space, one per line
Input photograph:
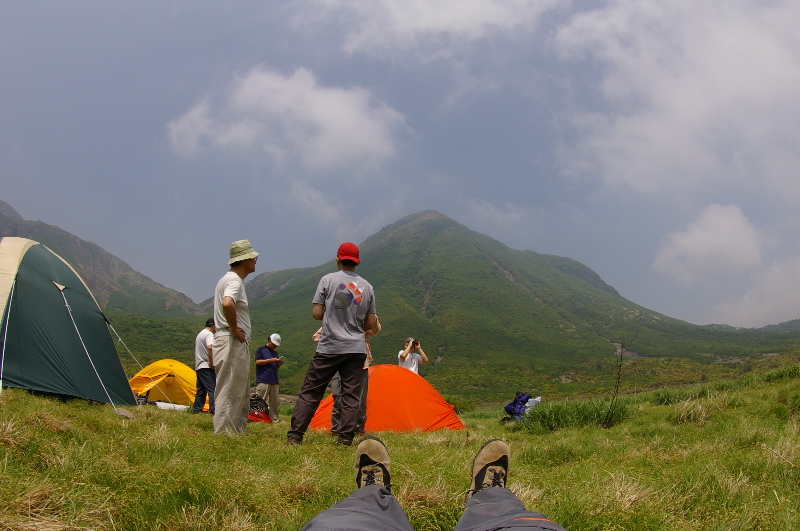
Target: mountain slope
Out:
[114,284]
[492,319]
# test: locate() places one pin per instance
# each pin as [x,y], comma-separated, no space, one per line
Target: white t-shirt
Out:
[201,343]
[412,361]
[231,285]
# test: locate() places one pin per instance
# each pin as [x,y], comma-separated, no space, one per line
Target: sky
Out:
[656,142]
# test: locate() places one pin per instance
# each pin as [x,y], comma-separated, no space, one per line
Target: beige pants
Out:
[269,394]
[232,395]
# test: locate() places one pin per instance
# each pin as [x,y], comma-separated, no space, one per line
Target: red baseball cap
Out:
[348,251]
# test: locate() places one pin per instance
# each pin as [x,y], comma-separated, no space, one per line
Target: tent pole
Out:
[5,332]
[137,361]
[69,311]
[123,344]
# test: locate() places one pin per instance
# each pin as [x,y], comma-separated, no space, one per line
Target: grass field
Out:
[721,456]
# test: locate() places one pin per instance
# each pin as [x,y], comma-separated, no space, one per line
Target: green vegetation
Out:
[113,283]
[552,416]
[722,455]
[492,319]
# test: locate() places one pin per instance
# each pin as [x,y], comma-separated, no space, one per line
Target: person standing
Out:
[345,303]
[409,359]
[204,368]
[231,342]
[267,364]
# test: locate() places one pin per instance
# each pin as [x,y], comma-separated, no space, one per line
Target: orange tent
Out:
[397,400]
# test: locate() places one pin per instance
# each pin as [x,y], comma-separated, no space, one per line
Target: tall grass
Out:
[551,416]
[674,395]
[729,459]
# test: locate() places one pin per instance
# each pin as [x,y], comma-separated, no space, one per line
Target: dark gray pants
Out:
[373,508]
[206,383]
[336,410]
[320,372]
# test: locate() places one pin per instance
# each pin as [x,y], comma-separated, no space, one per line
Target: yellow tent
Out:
[166,381]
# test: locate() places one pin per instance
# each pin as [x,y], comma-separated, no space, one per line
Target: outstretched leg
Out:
[370,508]
[491,506]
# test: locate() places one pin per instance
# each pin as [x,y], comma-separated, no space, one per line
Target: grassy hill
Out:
[492,319]
[718,456]
[115,285]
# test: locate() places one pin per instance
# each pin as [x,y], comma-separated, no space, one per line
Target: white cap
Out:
[275,339]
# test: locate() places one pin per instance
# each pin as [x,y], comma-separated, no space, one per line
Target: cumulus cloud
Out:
[515,224]
[500,213]
[720,241]
[188,132]
[773,298]
[431,29]
[335,213]
[293,117]
[695,93]
[317,204]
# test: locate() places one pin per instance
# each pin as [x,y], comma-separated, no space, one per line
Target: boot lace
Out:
[369,475]
[498,478]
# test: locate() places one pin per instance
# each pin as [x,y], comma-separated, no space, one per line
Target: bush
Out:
[575,413]
[462,405]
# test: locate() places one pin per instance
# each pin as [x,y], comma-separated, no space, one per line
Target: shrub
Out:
[575,413]
[462,405]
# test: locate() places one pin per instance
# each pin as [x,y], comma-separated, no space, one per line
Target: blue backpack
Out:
[516,408]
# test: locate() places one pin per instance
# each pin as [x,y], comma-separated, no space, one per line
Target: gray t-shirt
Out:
[348,299]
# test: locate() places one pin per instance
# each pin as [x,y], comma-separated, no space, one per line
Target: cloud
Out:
[335,214]
[694,94]
[187,133]
[773,297]
[429,30]
[720,241]
[308,199]
[515,224]
[499,213]
[292,118]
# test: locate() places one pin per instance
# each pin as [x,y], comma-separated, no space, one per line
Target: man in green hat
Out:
[231,350]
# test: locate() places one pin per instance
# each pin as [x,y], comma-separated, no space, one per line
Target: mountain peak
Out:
[9,212]
[423,216]
[113,282]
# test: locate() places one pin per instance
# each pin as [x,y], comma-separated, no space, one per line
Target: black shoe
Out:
[490,466]
[291,441]
[372,463]
[344,441]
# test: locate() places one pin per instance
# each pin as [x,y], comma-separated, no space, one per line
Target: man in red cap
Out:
[345,303]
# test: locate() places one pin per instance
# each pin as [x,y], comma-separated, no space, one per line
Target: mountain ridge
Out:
[492,319]
[115,284]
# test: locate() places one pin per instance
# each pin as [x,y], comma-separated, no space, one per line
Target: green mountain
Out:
[115,285]
[494,320]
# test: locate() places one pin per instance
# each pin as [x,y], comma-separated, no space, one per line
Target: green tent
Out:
[54,337]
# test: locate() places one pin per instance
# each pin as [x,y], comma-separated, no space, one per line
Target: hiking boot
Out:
[490,466]
[344,441]
[372,463]
[291,441]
